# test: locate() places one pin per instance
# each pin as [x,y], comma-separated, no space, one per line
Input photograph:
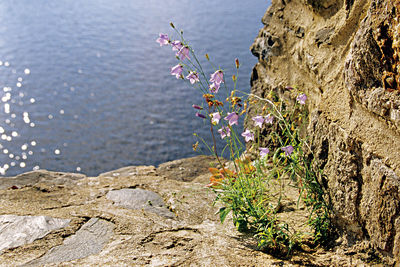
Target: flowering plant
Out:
[245,186]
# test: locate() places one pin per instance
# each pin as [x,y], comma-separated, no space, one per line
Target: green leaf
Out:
[223,212]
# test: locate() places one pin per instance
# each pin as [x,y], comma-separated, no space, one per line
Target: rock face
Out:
[133,216]
[345,54]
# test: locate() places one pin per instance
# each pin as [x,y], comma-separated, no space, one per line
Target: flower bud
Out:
[207,57]
[172,25]
[200,115]
[197,107]
[237,63]
[233,77]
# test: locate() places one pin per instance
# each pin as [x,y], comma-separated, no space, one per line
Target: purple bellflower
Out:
[258,121]
[214,87]
[224,132]
[215,117]
[248,135]
[176,45]
[163,39]
[263,151]
[288,150]
[183,53]
[232,118]
[177,71]
[193,77]
[301,98]
[217,77]
[269,119]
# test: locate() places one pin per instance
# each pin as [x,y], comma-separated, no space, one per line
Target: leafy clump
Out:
[253,186]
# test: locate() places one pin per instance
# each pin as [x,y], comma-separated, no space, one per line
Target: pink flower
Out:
[288,150]
[177,71]
[176,45]
[193,77]
[269,119]
[215,117]
[224,132]
[214,87]
[301,98]
[183,53]
[232,118]
[217,77]
[258,121]
[263,151]
[248,135]
[163,39]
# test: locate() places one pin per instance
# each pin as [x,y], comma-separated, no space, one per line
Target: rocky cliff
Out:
[345,55]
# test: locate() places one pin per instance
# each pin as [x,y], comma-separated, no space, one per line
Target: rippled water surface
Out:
[85,87]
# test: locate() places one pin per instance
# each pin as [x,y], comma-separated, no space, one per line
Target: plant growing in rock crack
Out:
[253,189]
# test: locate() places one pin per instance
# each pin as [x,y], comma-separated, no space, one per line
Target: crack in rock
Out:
[88,240]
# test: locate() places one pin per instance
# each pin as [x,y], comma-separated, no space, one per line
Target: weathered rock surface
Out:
[88,240]
[115,220]
[19,230]
[137,199]
[346,56]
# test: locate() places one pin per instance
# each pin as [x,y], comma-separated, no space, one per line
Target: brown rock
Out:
[348,64]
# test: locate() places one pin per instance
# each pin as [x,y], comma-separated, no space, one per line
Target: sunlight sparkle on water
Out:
[8,131]
[6,108]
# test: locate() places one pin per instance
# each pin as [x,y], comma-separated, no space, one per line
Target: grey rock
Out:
[16,231]
[140,199]
[89,239]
